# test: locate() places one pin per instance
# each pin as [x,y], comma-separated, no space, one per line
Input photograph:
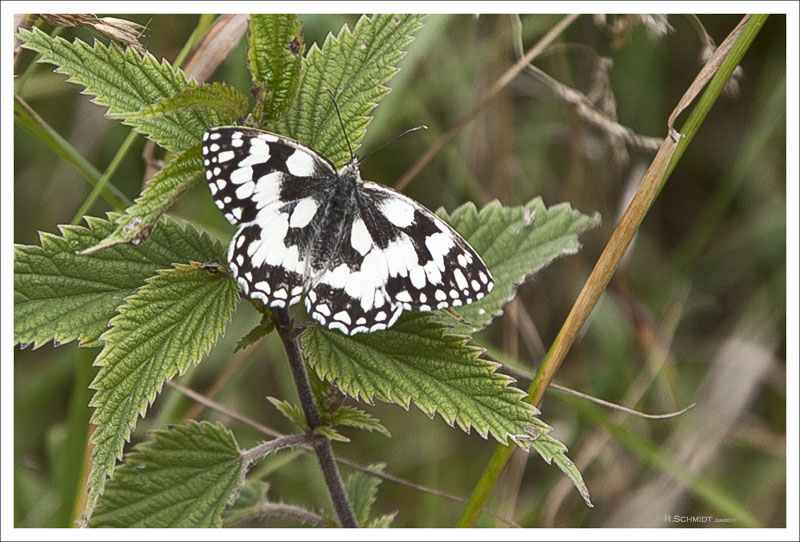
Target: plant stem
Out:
[322,446]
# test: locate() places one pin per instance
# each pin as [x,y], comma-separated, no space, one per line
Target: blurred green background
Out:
[696,313]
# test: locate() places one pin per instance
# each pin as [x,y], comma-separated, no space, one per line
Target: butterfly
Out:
[359,252]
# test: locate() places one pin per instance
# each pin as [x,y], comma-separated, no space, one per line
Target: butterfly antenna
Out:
[341,123]
[395,138]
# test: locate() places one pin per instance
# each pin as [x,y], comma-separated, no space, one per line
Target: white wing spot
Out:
[417,276]
[381,316]
[224,156]
[300,163]
[342,316]
[245,191]
[404,296]
[475,285]
[303,213]
[461,281]
[322,308]
[360,238]
[433,273]
[215,136]
[398,212]
[242,175]
[440,295]
[259,153]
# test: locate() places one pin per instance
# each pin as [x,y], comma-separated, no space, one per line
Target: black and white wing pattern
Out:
[361,252]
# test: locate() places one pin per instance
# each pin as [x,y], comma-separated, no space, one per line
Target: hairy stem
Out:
[322,446]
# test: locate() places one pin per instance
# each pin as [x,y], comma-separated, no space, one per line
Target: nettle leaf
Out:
[381,522]
[183,477]
[418,360]
[291,411]
[354,66]
[552,450]
[264,328]
[362,489]
[274,55]
[136,224]
[126,82]
[355,417]
[161,331]
[514,242]
[61,296]
[222,102]
[330,433]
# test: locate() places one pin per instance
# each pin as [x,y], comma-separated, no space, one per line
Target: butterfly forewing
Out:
[360,251]
[272,188]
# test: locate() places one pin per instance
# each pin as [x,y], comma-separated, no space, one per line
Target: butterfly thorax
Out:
[338,210]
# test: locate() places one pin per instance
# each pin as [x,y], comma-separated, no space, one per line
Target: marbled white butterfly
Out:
[361,252]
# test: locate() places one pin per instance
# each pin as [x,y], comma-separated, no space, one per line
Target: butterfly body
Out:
[359,252]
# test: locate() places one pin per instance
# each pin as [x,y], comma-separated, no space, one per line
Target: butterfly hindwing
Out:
[407,259]
[361,252]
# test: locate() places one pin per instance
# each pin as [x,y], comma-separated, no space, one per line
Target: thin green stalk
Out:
[660,170]
[103,181]
[26,118]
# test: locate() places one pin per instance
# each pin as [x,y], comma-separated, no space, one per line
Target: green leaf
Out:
[183,477]
[161,331]
[291,411]
[126,82]
[355,66]
[223,103]
[551,450]
[263,329]
[62,296]
[330,433]
[274,55]
[137,223]
[417,360]
[514,242]
[361,489]
[355,417]
[381,522]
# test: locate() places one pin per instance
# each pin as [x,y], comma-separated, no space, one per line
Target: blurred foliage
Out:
[695,314]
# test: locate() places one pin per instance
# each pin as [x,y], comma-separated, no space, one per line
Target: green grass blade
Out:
[26,118]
